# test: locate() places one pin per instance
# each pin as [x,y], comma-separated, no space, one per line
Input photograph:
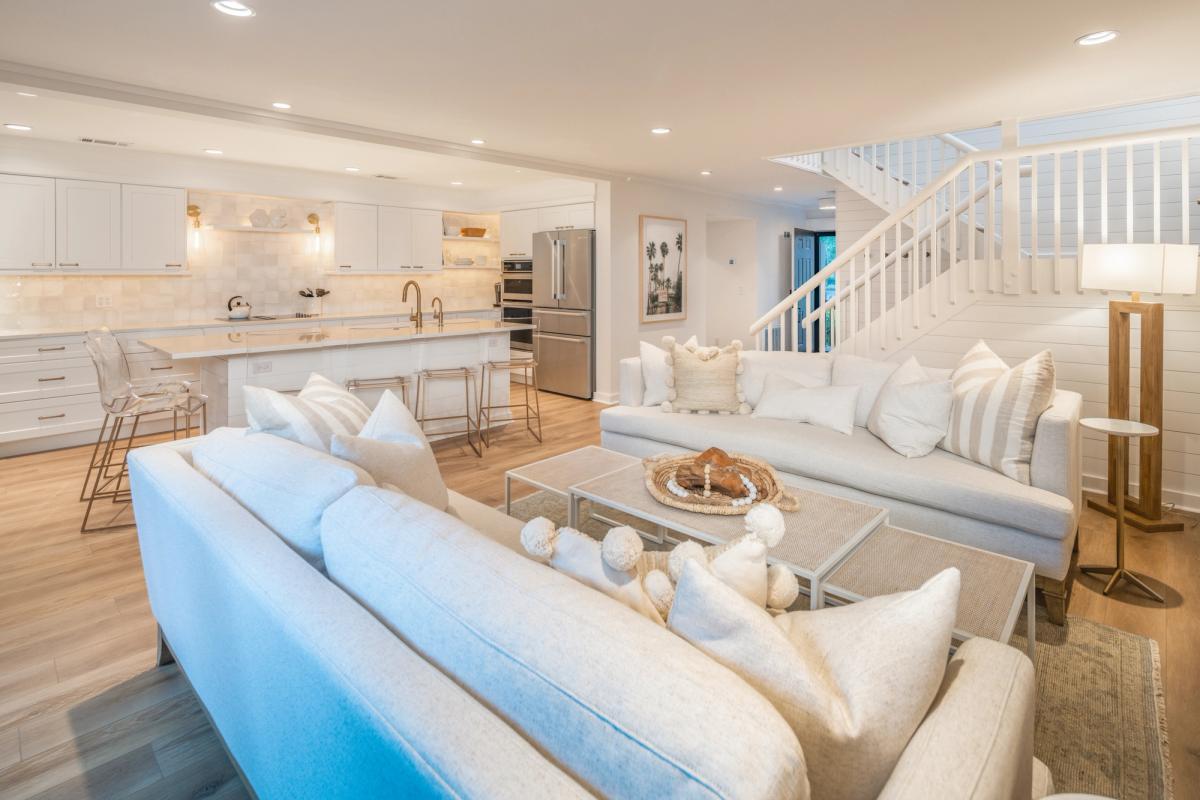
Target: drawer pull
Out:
[68,263]
[52,416]
[55,378]
[344,266]
[51,349]
[174,266]
[41,263]
[168,366]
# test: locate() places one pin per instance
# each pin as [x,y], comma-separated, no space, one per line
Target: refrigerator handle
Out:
[561,246]
[553,269]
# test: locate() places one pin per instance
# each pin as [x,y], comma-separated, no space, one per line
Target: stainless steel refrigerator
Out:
[564,275]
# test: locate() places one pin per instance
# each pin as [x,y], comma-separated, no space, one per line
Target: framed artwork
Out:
[662,276]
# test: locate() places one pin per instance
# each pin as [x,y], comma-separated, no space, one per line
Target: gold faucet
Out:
[438,313]
[415,317]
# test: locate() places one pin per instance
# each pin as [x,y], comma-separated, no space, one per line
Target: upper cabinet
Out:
[153,228]
[395,237]
[26,223]
[355,237]
[88,225]
[576,215]
[370,238]
[427,239]
[516,233]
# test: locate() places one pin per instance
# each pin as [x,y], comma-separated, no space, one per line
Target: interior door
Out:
[804,266]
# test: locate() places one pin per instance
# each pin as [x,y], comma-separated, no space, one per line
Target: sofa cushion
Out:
[806,369]
[704,379]
[310,418]
[912,412]
[571,669]
[939,480]
[286,485]
[829,407]
[656,372]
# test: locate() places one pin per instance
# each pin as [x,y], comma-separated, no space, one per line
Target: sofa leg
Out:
[165,656]
[1055,595]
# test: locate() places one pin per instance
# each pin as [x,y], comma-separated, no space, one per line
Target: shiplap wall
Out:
[1075,329]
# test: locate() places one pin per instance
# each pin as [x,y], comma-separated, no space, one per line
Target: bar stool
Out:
[356,385]
[533,411]
[467,375]
[125,401]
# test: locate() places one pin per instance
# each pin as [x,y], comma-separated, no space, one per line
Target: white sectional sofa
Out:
[434,659]
[940,494]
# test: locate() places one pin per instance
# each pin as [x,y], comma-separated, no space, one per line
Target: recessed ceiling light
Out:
[351,169]
[213,151]
[233,8]
[26,94]
[705,172]
[660,131]
[456,183]
[478,141]
[1099,37]
[516,170]
[16,126]
[281,106]
[779,188]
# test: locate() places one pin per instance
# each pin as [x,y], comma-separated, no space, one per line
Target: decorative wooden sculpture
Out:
[715,469]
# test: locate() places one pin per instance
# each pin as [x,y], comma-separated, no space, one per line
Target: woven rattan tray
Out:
[661,470]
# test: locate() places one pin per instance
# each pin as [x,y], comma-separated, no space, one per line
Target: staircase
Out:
[963,224]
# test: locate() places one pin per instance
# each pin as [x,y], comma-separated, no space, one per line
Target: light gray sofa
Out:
[434,659]
[941,494]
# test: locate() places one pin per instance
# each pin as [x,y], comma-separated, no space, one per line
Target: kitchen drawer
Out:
[149,365]
[131,343]
[33,418]
[42,348]
[51,378]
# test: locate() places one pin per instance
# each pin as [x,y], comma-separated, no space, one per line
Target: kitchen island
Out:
[283,360]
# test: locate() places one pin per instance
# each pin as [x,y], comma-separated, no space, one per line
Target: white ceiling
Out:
[582,83]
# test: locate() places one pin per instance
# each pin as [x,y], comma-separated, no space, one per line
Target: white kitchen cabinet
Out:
[88,225]
[26,223]
[552,218]
[356,237]
[395,238]
[576,215]
[427,240]
[516,233]
[153,228]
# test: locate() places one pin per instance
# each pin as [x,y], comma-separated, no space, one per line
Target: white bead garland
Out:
[677,490]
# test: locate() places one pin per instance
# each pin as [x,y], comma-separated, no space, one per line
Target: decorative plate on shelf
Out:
[714,482]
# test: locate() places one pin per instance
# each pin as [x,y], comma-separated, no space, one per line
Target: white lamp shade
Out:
[1151,268]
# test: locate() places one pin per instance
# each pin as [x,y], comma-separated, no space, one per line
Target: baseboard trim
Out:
[607,398]
[1183,501]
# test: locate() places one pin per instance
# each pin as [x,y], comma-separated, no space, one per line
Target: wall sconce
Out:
[315,243]
[193,212]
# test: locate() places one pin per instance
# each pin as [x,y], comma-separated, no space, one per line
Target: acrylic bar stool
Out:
[467,376]
[533,410]
[125,401]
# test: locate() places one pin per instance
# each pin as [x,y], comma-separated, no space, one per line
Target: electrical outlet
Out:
[103,301]
[261,367]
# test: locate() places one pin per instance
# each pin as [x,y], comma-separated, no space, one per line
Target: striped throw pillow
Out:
[310,418]
[996,409]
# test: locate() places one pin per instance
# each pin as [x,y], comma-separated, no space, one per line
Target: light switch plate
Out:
[261,367]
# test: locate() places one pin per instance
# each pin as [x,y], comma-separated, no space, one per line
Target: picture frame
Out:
[662,273]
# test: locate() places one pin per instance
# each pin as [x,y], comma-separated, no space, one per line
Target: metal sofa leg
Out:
[165,656]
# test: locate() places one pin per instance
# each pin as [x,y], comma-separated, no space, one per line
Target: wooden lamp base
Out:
[1133,518]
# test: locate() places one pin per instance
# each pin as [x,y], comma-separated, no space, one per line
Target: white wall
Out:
[732,299]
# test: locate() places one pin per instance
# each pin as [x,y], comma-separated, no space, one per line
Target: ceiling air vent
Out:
[386,177]
[105,142]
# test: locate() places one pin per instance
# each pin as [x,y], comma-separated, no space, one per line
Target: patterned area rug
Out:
[1100,725]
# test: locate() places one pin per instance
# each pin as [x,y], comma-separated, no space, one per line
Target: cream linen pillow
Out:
[996,409]
[393,450]
[310,418]
[853,682]
[704,379]
[656,372]
[867,374]
[830,407]
[912,412]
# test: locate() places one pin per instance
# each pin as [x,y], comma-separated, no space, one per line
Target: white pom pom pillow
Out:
[704,379]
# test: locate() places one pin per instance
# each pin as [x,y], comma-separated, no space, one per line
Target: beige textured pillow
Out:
[704,379]
[996,409]
[853,682]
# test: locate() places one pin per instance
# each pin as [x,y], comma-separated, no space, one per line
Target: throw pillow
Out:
[830,407]
[806,369]
[912,412]
[853,682]
[656,372]
[704,379]
[996,409]
[310,418]
[866,373]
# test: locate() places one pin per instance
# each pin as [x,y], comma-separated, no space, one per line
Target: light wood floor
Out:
[84,713]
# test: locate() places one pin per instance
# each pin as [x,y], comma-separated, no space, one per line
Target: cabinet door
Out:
[153,228]
[427,239]
[355,237]
[552,218]
[88,222]
[581,215]
[516,233]
[395,238]
[26,223]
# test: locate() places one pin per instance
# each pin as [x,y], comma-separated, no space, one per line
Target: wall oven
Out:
[521,313]
[516,282]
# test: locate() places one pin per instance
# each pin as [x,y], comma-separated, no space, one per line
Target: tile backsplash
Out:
[268,269]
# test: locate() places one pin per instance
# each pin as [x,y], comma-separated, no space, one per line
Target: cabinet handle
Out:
[56,378]
[52,416]
[52,349]
[68,263]
[174,266]
[344,266]
[41,264]
[168,366]
[516,254]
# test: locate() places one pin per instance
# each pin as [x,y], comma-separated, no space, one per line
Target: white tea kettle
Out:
[238,307]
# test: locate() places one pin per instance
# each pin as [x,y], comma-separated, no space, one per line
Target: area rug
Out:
[1100,723]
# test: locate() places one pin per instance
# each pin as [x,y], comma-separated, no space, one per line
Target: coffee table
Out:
[558,473]
[994,587]
[820,535]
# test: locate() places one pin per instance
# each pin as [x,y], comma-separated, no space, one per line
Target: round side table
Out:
[1120,431]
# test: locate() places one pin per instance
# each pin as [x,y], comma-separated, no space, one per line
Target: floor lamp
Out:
[1135,268]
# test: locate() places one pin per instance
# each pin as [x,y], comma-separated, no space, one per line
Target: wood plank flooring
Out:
[85,714]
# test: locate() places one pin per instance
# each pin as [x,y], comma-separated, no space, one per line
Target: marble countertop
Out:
[241,342]
[215,321]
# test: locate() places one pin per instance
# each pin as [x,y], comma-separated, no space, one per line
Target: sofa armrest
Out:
[1056,464]
[632,388]
[976,742]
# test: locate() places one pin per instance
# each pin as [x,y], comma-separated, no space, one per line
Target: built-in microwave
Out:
[516,282]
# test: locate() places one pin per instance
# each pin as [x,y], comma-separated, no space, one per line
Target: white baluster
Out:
[973,227]
[1079,223]
[1033,225]
[1185,201]
[896,273]
[1103,195]
[1129,193]
[1155,156]
[1057,222]
[989,236]
[795,311]
[936,259]
[954,218]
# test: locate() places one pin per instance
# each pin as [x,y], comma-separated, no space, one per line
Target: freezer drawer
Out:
[567,323]
[564,364]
